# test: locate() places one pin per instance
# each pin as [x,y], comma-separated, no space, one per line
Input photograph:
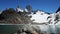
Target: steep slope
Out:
[29,16]
[46,18]
[58,10]
[55,17]
[40,17]
[14,17]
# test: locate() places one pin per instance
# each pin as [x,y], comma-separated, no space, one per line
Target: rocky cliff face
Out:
[14,17]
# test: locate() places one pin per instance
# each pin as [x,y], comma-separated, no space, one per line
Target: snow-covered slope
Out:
[39,17]
[42,17]
[26,10]
[58,18]
[18,9]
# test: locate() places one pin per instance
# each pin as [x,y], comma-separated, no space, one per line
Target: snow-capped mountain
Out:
[33,16]
[43,17]
[40,16]
[55,17]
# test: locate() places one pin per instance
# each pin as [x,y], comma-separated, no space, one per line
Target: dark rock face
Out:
[58,10]
[7,13]
[12,16]
[28,7]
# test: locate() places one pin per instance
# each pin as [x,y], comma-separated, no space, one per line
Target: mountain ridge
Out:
[29,16]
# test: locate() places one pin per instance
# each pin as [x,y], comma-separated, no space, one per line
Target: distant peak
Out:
[29,7]
[58,10]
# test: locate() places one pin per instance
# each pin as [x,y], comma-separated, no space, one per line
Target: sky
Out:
[49,6]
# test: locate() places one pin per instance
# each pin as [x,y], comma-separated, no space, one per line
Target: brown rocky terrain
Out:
[10,16]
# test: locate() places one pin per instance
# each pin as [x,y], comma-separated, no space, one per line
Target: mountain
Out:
[40,17]
[58,10]
[14,17]
[55,17]
[46,18]
[28,15]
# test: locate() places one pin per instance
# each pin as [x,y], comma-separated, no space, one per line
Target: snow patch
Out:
[39,17]
[18,9]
